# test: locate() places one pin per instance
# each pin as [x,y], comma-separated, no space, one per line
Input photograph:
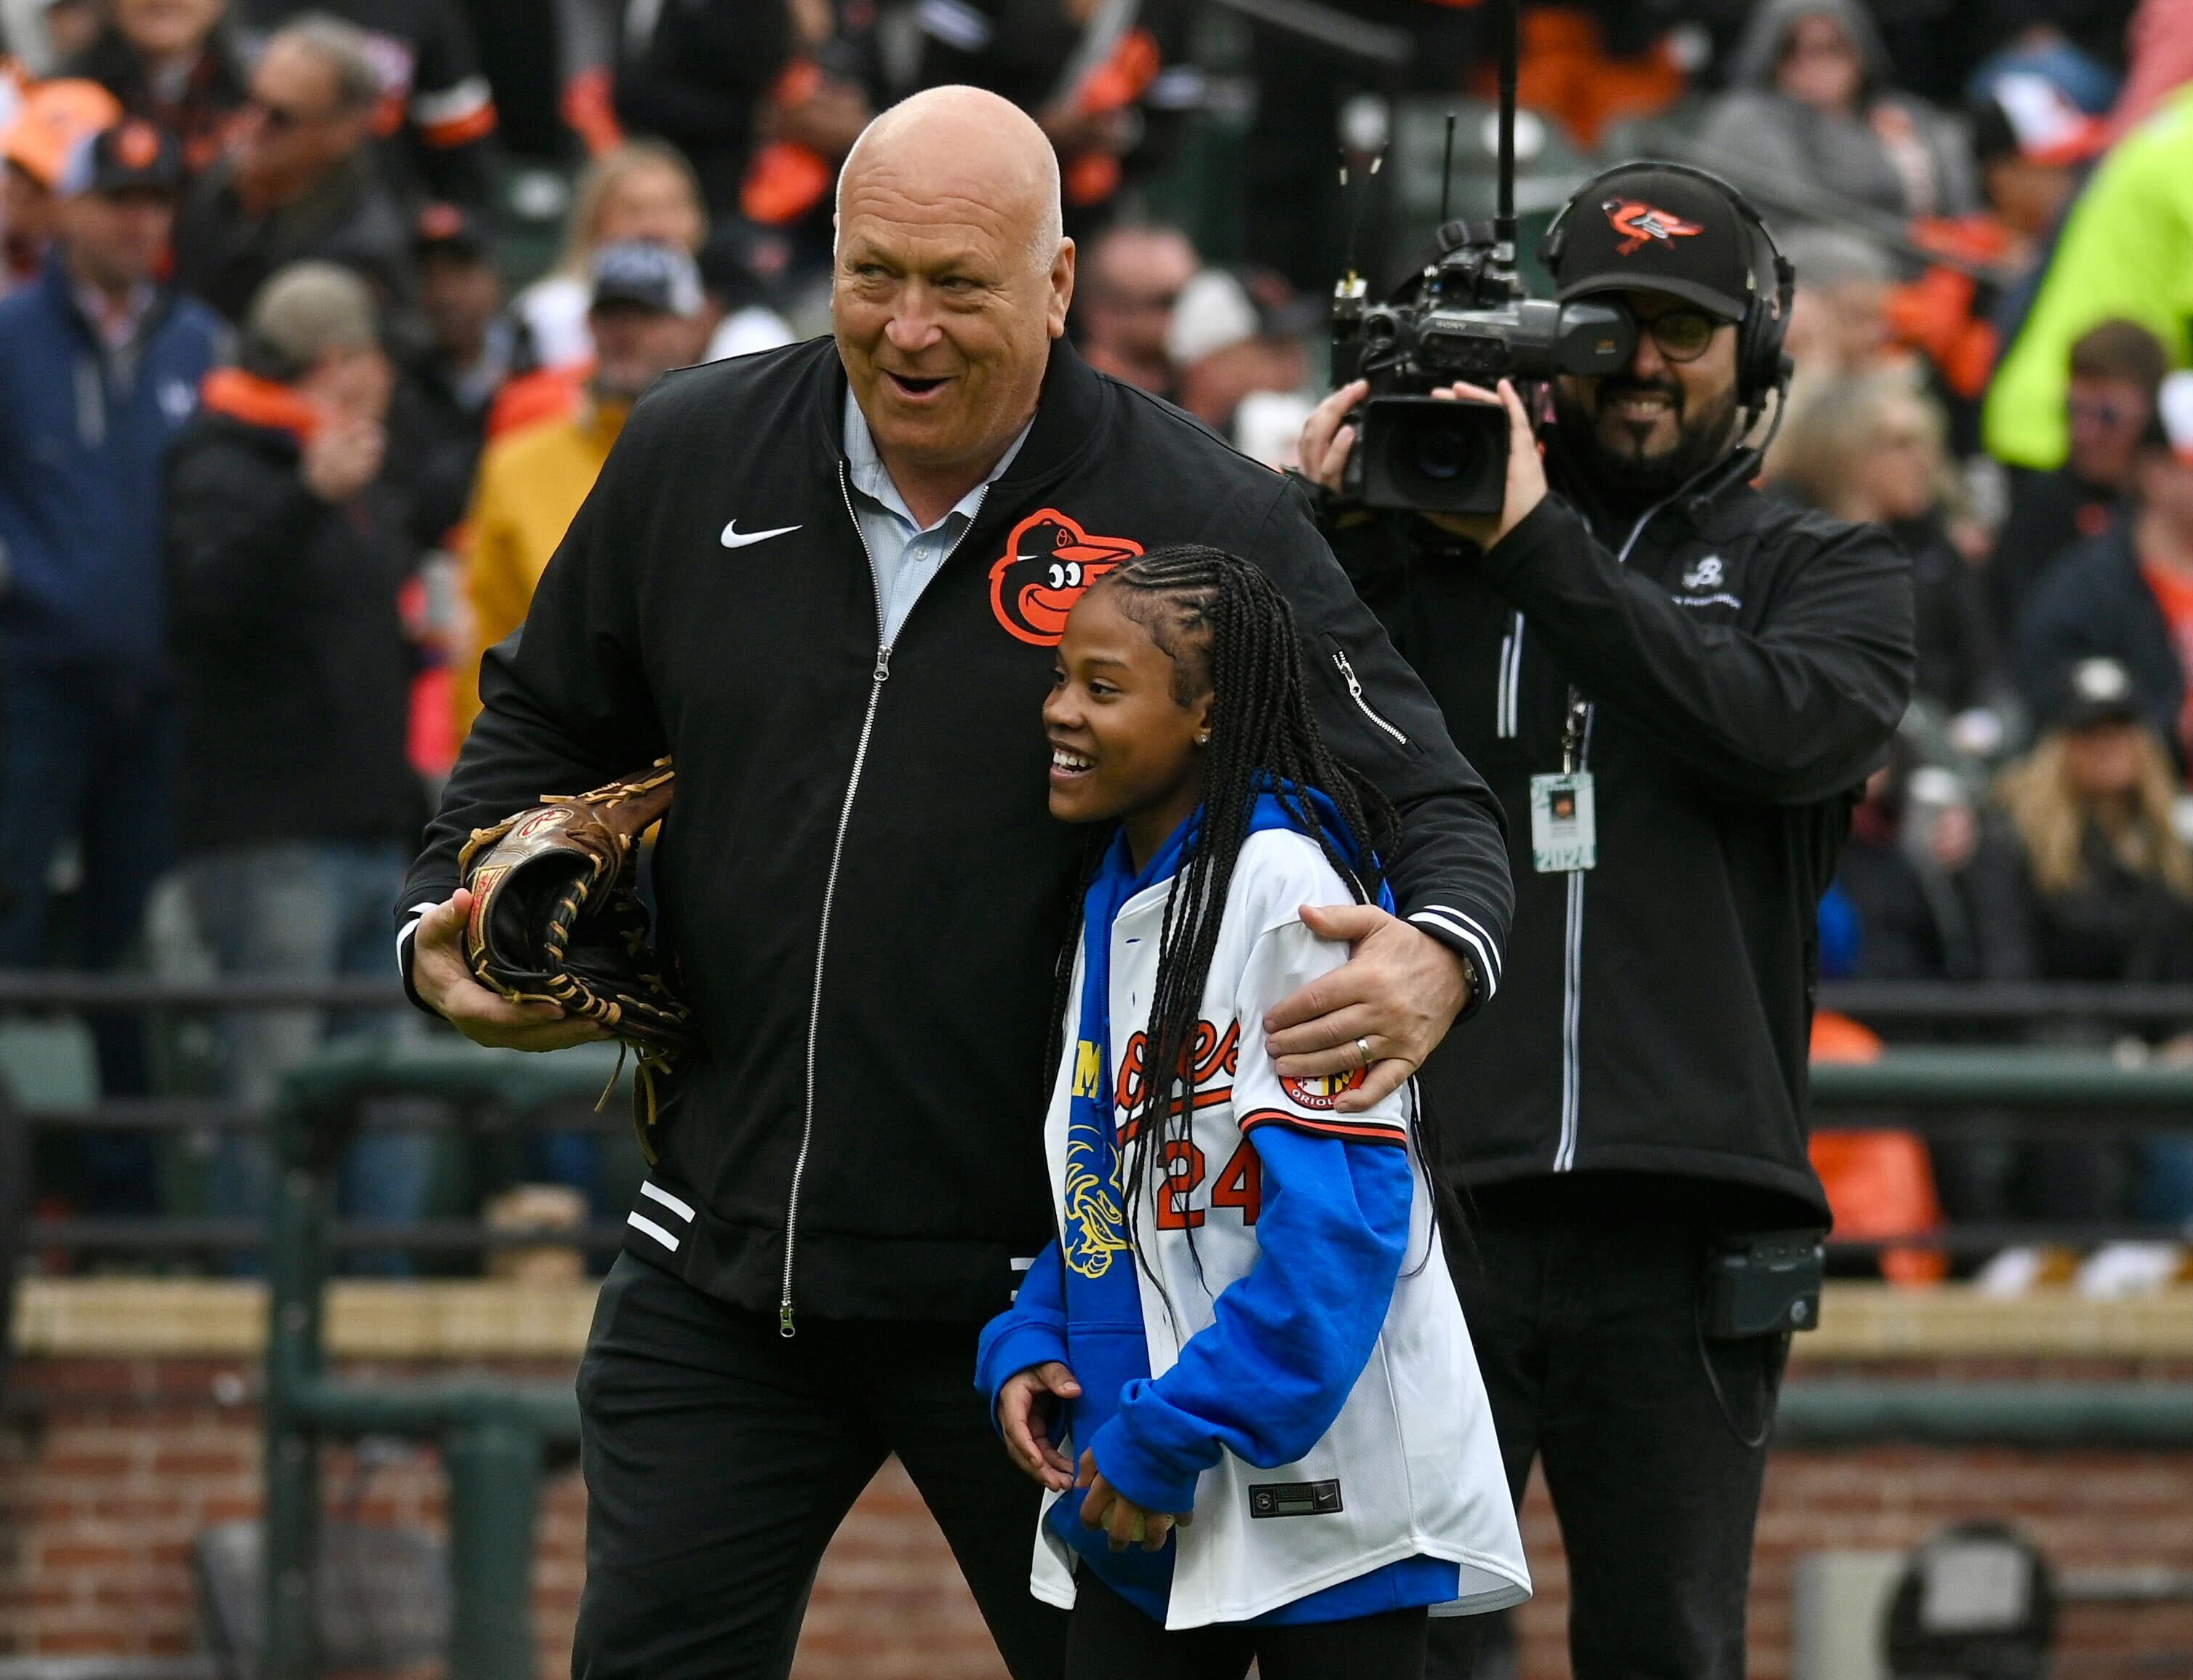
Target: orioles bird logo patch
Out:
[1639,223]
[1048,565]
[1322,1091]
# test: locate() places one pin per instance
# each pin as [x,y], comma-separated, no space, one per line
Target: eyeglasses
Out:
[1681,335]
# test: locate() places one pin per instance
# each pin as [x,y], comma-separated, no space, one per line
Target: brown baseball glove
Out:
[555,920]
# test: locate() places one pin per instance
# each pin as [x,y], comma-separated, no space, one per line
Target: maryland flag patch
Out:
[1319,1093]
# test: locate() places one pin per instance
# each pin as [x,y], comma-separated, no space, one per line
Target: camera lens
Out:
[1439,452]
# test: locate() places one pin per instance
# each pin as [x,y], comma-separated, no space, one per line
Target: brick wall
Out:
[111,1464]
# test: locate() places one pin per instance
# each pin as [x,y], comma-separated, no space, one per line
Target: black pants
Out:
[720,1458]
[1582,1295]
[1109,1639]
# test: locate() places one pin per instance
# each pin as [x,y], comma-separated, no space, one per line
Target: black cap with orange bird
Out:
[1647,227]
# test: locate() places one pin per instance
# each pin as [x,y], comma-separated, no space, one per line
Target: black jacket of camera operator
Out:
[1744,663]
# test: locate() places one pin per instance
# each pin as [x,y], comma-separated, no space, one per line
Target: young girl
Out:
[1246,1322]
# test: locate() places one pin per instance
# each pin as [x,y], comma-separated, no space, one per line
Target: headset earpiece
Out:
[1761,368]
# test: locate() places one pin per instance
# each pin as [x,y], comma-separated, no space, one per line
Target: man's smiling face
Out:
[943,306]
[1659,419]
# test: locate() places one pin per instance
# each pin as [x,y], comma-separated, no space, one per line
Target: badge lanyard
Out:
[1564,826]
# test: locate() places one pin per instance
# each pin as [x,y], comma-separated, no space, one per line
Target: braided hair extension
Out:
[1230,633]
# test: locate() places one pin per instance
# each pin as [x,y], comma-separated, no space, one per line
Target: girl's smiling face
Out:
[1123,743]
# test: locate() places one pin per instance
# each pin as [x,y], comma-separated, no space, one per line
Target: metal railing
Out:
[38,992]
[1939,1090]
[2008,1005]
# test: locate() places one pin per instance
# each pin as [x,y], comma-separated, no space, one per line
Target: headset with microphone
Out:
[1762,369]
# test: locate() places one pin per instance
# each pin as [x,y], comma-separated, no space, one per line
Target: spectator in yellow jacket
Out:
[647,318]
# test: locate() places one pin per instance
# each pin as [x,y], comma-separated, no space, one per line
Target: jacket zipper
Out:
[1511,667]
[1355,690]
[1572,936]
[879,677]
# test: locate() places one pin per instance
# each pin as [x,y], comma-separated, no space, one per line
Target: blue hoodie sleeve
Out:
[1028,1332]
[1266,1381]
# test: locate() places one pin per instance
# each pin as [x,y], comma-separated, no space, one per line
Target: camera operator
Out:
[1640,638]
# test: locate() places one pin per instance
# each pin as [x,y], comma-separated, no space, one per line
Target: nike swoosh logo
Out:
[735,538]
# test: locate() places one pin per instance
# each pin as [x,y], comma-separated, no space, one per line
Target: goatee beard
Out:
[1628,482]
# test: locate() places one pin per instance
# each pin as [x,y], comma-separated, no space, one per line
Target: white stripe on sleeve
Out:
[684,1210]
[404,934]
[1487,967]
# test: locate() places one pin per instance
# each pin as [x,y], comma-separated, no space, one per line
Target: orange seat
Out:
[1838,1038]
[1879,1183]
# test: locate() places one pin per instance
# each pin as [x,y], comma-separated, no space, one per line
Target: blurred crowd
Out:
[289,430]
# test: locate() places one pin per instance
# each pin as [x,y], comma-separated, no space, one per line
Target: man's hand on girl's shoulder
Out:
[1385,1009]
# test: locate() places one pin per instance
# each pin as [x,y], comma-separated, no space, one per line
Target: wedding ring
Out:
[1363,1045]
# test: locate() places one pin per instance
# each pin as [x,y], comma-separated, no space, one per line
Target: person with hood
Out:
[1808,105]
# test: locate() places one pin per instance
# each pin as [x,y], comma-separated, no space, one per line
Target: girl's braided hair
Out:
[1230,632]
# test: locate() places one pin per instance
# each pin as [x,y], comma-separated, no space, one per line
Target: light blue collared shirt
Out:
[904,555]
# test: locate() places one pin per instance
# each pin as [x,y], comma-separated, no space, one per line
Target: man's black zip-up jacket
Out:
[859,883]
[1745,662]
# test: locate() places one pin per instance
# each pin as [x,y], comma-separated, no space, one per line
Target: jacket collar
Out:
[1698,511]
[59,287]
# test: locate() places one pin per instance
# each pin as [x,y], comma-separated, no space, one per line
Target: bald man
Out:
[1136,275]
[829,579]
